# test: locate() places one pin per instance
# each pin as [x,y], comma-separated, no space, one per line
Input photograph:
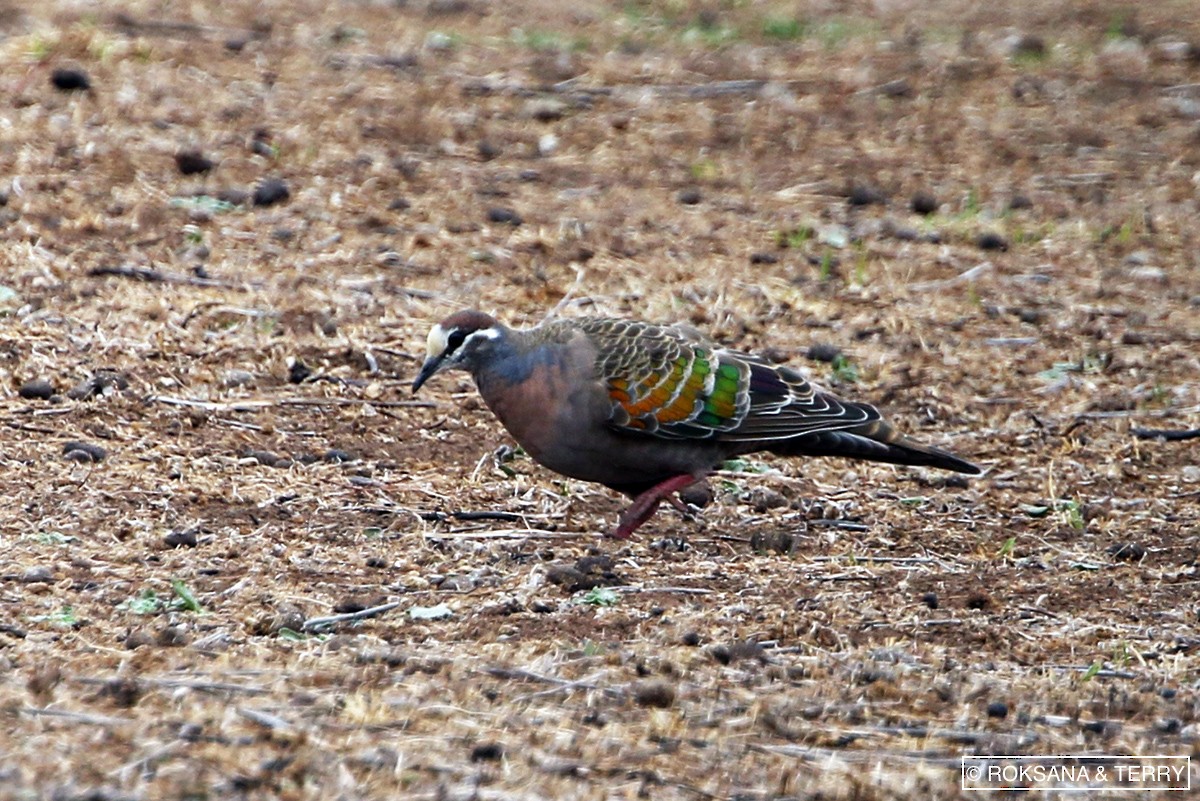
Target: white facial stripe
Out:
[483,333]
[436,345]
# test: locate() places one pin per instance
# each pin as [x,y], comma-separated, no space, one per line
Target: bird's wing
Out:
[667,382]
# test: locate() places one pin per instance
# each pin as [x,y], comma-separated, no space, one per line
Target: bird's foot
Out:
[645,505]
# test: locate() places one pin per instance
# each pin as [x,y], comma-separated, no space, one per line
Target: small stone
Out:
[77,451]
[546,144]
[978,600]
[337,456]
[542,607]
[271,191]
[691,639]
[772,541]
[699,495]
[137,638]
[1026,45]
[923,203]
[192,162]
[97,384]
[763,258]
[763,499]
[36,389]
[545,109]
[1154,275]
[657,694]
[172,637]
[1190,474]
[930,599]
[823,352]
[865,195]
[400,204]
[38,575]
[70,79]
[238,378]
[990,240]
[529,176]
[997,709]
[1127,551]
[265,458]
[234,197]
[298,372]
[350,605]
[180,539]
[488,150]
[487,752]
[1018,202]
[499,214]
[689,197]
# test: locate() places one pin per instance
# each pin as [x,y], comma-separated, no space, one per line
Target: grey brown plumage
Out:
[648,409]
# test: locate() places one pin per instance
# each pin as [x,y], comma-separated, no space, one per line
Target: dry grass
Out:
[792,648]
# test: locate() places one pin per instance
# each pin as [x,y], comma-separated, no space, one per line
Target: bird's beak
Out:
[430,367]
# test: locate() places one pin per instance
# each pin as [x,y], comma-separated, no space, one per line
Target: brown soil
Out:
[823,629]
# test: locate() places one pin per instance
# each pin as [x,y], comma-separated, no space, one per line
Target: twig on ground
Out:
[152,276]
[77,717]
[1166,434]
[315,623]
[262,718]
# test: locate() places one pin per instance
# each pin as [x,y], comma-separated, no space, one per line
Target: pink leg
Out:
[645,505]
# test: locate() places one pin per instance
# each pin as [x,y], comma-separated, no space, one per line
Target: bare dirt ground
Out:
[821,630]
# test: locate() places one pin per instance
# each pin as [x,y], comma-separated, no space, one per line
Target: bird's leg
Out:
[645,505]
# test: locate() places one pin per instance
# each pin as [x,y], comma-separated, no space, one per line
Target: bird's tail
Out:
[874,442]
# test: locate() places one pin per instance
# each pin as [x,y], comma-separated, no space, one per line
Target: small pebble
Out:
[298,371]
[865,195]
[67,79]
[488,150]
[924,203]
[265,458]
[542,607]
[76,451]
[689,197]
[978,600]
[238,378]
[657,694]
[498,214]
[172,637]
[399,204]
[180,539]
[545,109]
[487,752]
[823,352]
[1127,551]
[930,599]
[990,240]
[36,389]
[337,456]
[271,191]
[192,162]
[691,639]
[997,709]
[1018,202]
[38,575]
[763,258]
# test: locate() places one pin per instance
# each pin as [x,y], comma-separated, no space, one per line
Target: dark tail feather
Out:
[876,442]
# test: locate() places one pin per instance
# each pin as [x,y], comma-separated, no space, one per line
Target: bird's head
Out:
[458,342]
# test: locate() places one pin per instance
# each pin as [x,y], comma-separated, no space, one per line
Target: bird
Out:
[647,410]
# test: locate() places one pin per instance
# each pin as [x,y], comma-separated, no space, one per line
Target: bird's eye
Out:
[455,340]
